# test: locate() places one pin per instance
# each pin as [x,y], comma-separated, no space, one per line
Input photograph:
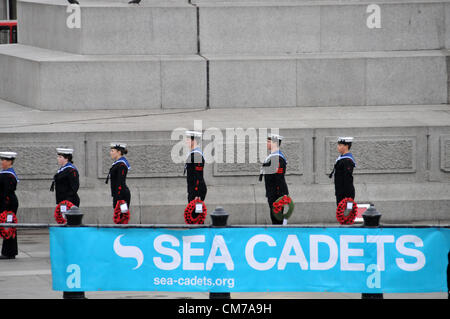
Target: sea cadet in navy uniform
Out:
[343,170]
[8,199]
[66,181]
[118,174]
[273,171]
[194,166]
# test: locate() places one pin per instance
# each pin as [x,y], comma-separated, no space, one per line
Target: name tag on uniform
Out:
[199,208]
[349,205]
[124,208]
[63,209]
[9,218]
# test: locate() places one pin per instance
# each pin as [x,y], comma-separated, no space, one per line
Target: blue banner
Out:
[362,260]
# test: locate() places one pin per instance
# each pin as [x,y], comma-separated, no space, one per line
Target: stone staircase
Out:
[314,69]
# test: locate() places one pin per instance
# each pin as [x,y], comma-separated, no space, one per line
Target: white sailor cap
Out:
[347,139]
[193,133]
[65,151]
[118,145]
[8,155]
[274,137]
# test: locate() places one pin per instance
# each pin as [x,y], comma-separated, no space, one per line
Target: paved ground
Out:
[15,118]
[29,276]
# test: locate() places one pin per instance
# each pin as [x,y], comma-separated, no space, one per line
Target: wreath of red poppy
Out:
[58,215]
[190,208]
[119,217]
[9,232]
[342,206]
[278,205]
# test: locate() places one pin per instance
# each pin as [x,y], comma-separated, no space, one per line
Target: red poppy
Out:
[342,206]
[190,208]
[58,215]
[7,233]
[278,205]
[119,217]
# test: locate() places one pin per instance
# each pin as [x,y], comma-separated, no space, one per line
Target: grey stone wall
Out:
[294,54]
[293,149]
[377,155]
[384,155]
[101,82]
[150,159]
[292,27]
[162,28]
[384,78]
[445,153]
[404,171]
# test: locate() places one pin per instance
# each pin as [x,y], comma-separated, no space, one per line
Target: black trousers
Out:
[9,247]
[341,197]
[191,197]
[74,200]
[126,198]
[275,221]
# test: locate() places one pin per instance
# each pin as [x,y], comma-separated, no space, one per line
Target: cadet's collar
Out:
[10,171]
[276,153]
[69,164]
[346,155]
[196,150]
[122,160]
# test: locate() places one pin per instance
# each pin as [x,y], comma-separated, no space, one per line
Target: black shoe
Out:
[7,257]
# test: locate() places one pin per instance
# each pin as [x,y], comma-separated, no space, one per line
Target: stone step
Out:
[24,119]
[143,2]
[328,79]
[402,153]
[261,27]
[291,27]
[291,2]
[150,81]
[55,80]
[110,27]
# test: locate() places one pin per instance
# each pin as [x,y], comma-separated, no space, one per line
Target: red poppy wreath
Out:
[190,209]
[278,206]
[341,208]
[119,217]
[9,232]
[58,214]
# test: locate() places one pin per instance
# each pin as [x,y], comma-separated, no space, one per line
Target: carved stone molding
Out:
[147,159]
[377,155]
[293,149]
